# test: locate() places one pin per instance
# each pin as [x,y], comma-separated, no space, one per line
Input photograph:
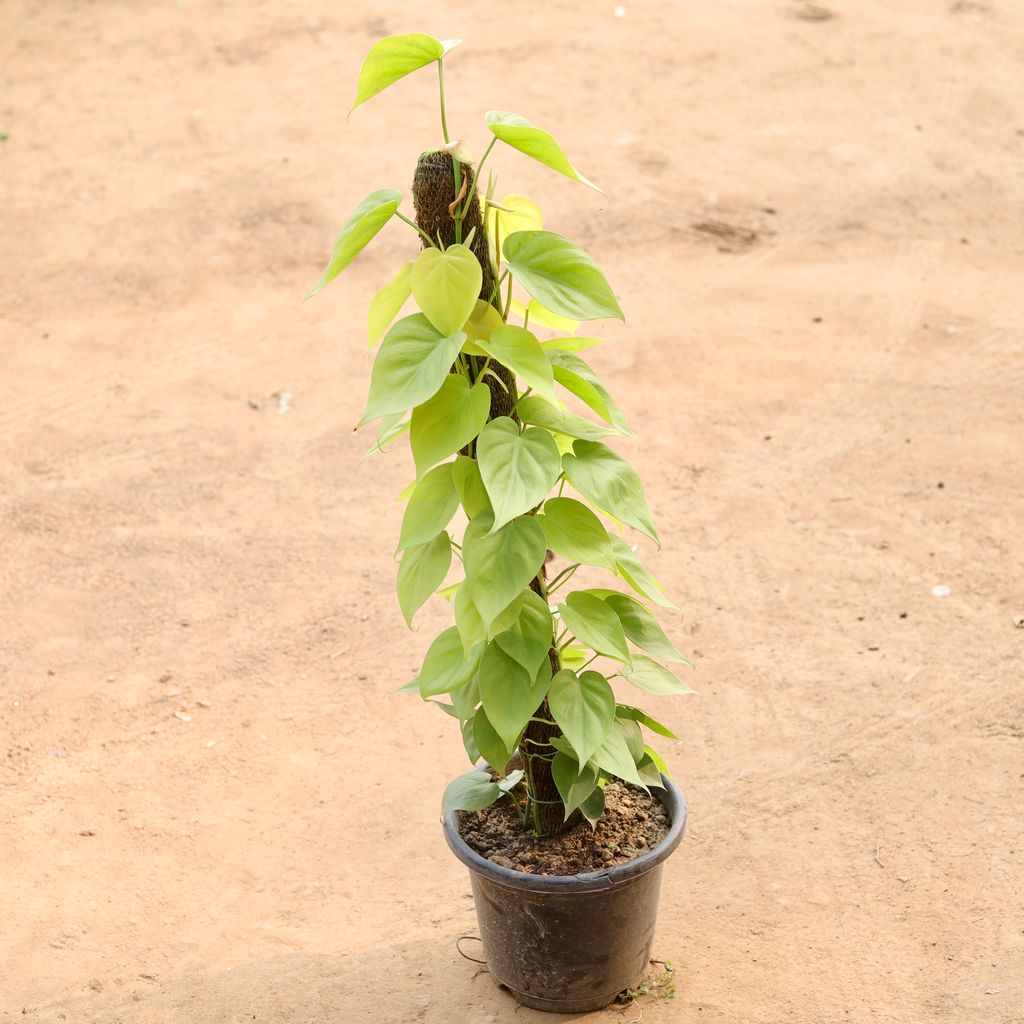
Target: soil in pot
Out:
[633,823]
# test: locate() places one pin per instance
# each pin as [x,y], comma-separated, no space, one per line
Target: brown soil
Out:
[633,823]
[214,809]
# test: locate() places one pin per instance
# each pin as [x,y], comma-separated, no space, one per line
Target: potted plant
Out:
[526,668]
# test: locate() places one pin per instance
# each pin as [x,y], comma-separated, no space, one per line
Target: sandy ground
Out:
[814,227]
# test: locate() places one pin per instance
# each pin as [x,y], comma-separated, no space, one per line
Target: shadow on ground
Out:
[425,981]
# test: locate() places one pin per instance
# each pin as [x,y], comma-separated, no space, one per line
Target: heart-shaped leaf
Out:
[520,351]
[446,286]
[614,754]
[593,807]
[529,638]
[574,785]
[611,483]
[578,378]
[510,695]
[390,429]
[491,746]
[659,763]
[467,618]
[501,564]
[445,665]
[593,623]
[470,486]
[482,323]
[513,213]
[584,708]
[540,413]
[642,627]
[466,697]
[393,58]
[570,343]
[537,314]
[411,365]
[560,275]
[648,675]
[518,133]
[647,769]
[430,509]
[387,302]
[422,571]
[518,470]
[574,532]
[470,792]
[632,570]
[625,711]
[448,421]
[369,217]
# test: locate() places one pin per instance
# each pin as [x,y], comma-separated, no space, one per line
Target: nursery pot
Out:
[569,943]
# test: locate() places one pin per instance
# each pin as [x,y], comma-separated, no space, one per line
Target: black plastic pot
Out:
[569,943]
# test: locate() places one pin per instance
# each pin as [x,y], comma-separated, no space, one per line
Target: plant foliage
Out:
[505,474]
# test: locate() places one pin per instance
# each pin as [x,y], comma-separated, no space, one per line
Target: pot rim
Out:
[591,881]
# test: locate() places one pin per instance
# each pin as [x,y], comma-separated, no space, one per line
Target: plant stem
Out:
[415,226]
[497,287]
[562,577]
[508,301]
[461,213]
[494,376]
[457,173]
[440,82]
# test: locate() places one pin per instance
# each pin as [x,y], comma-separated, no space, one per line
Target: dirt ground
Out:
[213,807]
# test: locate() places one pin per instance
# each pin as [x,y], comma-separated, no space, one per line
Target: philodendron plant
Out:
[526,666]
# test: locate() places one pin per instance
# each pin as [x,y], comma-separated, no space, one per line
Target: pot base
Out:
[563,1005]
